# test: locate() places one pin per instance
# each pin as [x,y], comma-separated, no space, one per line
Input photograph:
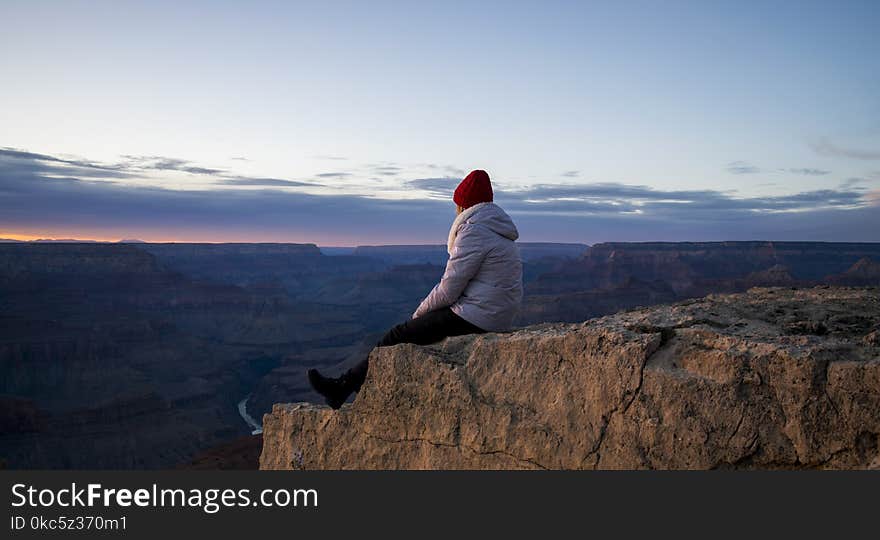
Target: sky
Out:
[350,123]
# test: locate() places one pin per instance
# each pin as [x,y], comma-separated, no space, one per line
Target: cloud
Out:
[384,167]
[386,170]
[827,148]
[53,170]
[742,167]
[853,183]
[448,169]
[159,163]
[586,198]
[37,195]
[612,190]
[124,169]
[32,200]
[809,172]
[330,158]
[333,175]
[249,181]
[21,154]
[438,187]
[79,167]
[133,167]
[571,174]
[678,204]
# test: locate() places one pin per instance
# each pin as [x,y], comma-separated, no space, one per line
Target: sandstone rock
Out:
[720,382]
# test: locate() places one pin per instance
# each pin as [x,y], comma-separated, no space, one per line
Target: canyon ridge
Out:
[149,356]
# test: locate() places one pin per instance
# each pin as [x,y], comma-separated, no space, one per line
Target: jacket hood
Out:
[487,214]
[491,216]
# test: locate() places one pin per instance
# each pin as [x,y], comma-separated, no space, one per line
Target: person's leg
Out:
[429,328]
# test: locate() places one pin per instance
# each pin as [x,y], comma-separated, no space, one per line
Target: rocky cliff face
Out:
[773,378]
[614,276]
[692,267]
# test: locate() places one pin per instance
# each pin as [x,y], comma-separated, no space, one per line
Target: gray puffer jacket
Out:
[482,283]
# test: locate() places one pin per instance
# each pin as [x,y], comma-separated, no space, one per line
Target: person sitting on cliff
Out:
[480,291]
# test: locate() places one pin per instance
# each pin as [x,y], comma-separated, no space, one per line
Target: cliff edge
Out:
[772,378]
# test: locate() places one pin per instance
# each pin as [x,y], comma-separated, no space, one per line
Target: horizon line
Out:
[10,239]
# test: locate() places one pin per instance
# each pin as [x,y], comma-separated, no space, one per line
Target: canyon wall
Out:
[110,359]
[623,275]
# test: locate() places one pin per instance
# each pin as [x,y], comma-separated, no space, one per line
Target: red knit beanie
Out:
[474,189]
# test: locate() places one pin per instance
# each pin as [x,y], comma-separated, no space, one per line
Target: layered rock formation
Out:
[692,267]
[295,270]
[773,378]
[436,253]
[108,359]
[864,272]
[618,275]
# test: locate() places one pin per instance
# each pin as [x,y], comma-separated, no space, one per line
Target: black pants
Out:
[429,328]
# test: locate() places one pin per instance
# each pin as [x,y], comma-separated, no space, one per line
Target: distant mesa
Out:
[775,275]
[64,241]
[49,241]
[335,250]
[865,272]
[436,253]
[865,267]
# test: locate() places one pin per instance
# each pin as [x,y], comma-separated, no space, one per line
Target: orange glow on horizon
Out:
[84,238]
[93,237]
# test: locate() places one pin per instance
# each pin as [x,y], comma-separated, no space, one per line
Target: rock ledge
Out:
[772,378]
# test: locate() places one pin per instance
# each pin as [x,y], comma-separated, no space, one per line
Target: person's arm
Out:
[463,264]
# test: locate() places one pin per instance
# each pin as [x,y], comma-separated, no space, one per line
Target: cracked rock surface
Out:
[771,378]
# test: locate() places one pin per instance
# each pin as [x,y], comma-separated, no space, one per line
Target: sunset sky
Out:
[350,123]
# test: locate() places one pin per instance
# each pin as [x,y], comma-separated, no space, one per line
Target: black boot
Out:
[334,390]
